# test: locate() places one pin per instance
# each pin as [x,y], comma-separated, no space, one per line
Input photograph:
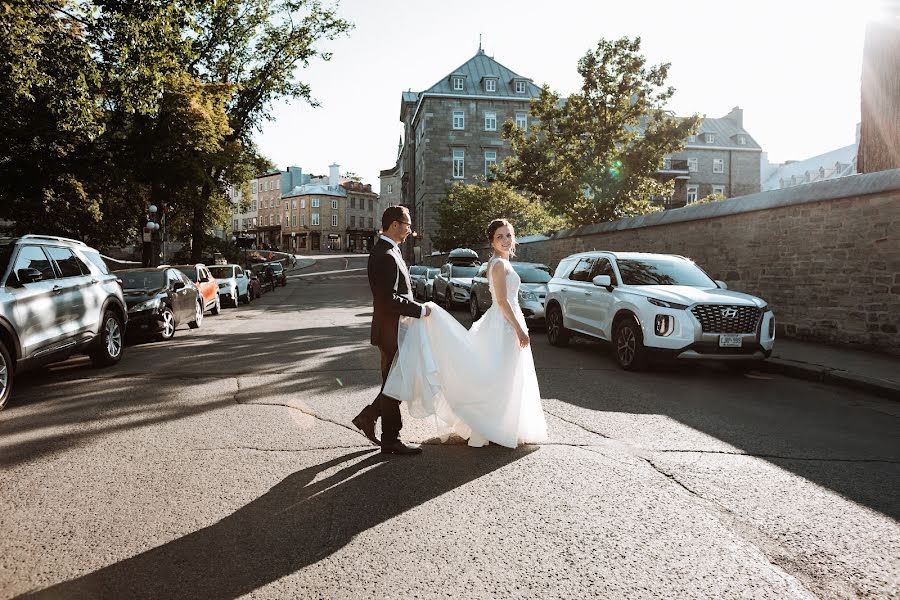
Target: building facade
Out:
[452,132]
[361,220]
[269,214]
[722,158]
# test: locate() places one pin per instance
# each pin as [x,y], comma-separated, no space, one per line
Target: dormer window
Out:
[710,138]
[520,87]
[742,140]
[692,139]
[490,84]
[459,84]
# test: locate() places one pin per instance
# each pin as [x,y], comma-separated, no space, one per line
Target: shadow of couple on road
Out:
[306,517]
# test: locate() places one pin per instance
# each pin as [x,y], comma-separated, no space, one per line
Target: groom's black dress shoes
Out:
[401,448]
[367,427]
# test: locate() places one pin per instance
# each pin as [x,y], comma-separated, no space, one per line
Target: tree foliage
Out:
[112,105]
[593,156]
[463,218]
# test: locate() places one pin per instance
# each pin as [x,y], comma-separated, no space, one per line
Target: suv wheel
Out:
[217,306]
[628,345]
[110,341]
[7,372]
[557,334]
[198,316]
[473,308]
[167,318]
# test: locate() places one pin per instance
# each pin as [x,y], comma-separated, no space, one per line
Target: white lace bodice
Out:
[512,281]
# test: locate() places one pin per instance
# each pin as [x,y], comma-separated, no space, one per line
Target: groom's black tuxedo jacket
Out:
[391,294]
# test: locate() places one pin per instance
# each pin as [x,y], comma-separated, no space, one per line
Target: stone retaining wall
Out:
[826,256]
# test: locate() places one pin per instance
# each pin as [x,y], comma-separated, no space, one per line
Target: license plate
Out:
[730,341]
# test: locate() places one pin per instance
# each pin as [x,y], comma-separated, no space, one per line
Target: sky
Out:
[793,66]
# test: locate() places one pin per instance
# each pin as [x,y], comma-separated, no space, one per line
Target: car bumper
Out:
[145,321]
[459,295]
[533,310]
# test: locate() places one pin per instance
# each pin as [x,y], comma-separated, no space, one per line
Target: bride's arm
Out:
[498,278]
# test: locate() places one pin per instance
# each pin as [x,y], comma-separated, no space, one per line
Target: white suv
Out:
[655,305]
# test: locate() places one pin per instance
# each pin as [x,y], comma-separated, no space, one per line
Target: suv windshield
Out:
[142,280]
[458,271]
[533,273]
[190,273]
[663,272]
[222,272]
[432,273]
[277,267]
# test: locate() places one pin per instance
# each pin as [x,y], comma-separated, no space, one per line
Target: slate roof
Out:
[474,70]
[725,130]
[836,163]
[316,189]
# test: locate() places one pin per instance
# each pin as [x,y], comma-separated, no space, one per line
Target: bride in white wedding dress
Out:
[479,383]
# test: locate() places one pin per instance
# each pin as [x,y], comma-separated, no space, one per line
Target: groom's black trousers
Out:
[384,406]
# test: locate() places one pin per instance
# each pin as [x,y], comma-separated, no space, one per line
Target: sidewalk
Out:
[867,371]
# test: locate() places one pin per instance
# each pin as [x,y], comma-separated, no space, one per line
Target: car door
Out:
[242,281]
[577,291]
[481,289]
[599,302]
[34,303]
[78,308]
[184,299]
[441,285]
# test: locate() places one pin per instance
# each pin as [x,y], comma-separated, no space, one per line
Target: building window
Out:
[278,184]
[253,187]
[302,220]
[252,205]
[302,202]
[390,188]
[490,85]
[459,119]
[522,120]
[742,140]
[490,159]
[692,139]
[718,165]
[490,121]
[371,223]
[279,219]
[334,220]
[235,225]
[334,204]
[692,165]
[459,163]
[352,222]
[710,138]
[352,202]
[315,219]
[458,84]
[287,205]
[719,189]
[371,203]
[314,203]
[520,87]
[691,194]
[294,204]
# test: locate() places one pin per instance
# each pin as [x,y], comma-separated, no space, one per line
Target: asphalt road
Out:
[222,464]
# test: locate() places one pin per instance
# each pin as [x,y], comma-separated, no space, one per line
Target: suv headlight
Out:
[147,305]
[526,296]
[666,304]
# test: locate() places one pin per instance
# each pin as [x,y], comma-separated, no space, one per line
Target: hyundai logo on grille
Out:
[728,313]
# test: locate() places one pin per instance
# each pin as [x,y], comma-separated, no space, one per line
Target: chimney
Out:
[334,174]
[736,116]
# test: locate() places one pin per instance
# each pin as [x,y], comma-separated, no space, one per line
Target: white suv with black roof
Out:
[57,298]
[655,305]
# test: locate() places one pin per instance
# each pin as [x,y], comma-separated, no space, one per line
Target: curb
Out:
[828,375]
[303,263]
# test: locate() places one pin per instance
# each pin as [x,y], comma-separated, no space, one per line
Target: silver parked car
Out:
[57,298]
[234,284]
[423,287]
[532,291]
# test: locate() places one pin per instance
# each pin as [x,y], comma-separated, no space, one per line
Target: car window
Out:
[533,273]
[432,273]
[418,270]
[141,280]
[602,266]
[69,264]
[33,257]
[582,271]
[458,271]
[663,271]
[222,271]
[482,270]
[190,273]
[173,276]
[97,260]
[445,269]
[239,271]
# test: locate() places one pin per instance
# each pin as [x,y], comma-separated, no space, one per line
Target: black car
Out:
[159,300]
[279,273]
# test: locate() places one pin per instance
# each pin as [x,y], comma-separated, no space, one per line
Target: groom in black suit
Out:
[392,297]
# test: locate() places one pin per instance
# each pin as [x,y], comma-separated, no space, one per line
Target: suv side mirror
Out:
[602,281]
[721,284]
[29,275]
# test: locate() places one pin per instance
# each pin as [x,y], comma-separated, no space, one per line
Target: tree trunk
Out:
[879,135]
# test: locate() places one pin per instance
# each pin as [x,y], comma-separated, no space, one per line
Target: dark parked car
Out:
[266,276]
[532,292]
[253,286]
[159,300]
[279,273]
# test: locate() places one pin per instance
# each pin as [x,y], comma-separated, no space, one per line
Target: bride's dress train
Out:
[476,383]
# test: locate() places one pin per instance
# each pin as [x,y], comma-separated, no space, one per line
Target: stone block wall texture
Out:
[825,256]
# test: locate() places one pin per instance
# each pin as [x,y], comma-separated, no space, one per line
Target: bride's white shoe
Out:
[478,441]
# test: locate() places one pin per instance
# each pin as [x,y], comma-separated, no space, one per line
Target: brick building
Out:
[362,215]
[267,187]
[452,132]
